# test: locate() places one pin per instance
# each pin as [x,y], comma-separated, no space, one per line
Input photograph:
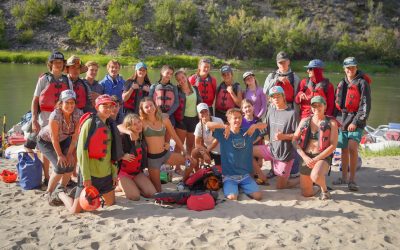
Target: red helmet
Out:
[90,198]
[8,176]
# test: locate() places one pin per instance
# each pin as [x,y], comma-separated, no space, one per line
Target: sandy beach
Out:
[368,219]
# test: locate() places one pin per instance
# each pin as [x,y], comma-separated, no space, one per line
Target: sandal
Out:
[54,200]
[325,196]
[339,181]
[353,186]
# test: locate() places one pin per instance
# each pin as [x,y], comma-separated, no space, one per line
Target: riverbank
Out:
[368,219]
[186,61]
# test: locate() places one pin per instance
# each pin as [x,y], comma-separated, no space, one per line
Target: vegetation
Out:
[390,151]
[3,42]
[34,12]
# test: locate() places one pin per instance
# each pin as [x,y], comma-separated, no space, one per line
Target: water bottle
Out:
[172,144]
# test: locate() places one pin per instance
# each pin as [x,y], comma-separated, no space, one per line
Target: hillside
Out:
[223,28]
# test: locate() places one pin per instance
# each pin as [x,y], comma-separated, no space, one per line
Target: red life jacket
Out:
[224,99]
[324,134]
[97,139]
[133,167]
[180,111]
[319,89]
[137,94]
[288,87]
[206,89]
[50,95]
[164,96]
[82,93]
[353,95]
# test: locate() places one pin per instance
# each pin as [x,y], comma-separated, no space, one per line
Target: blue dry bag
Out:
[29,171]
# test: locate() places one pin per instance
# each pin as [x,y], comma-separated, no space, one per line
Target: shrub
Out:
[3,42]
[26,36]
[174,21]
[129,47]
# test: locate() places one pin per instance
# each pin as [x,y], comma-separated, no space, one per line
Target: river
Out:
[18,82]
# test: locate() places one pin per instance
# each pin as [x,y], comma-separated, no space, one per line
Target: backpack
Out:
[205,179]
[29,171]
[195,200]
[179,198]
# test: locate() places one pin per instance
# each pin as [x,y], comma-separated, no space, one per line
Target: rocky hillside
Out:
[332,16]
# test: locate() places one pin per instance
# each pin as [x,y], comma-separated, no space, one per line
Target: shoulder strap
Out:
[92,128]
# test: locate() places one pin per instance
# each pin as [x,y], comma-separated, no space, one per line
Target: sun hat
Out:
[349,61]
[276,90]
[318,99]
[226,69]
[247,73]
[201,106]
[316,63]
[102,99]
[282,56]
[56,55]
[67,94]
[74,60]
[140,65]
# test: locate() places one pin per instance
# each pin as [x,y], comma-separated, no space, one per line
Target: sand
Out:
[368,219]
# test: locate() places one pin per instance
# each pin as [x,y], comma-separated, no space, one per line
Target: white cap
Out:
[67,94]
[201,106]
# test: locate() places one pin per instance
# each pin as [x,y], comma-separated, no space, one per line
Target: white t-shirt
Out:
[207,134]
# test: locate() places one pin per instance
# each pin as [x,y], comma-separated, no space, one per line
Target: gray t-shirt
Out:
[207,134]
[284,121]
[64,130]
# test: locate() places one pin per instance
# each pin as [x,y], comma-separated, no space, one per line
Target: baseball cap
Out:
[246,74]
[318,99]
[140,65]
[226,69]
[276,90]
[316,63]
[102,99]
[67,94]
[56,55]
[201,106]
[282,56]
[350,61]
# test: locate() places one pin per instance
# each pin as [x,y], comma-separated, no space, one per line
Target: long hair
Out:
[143,115]
[202,60]
[134,77]
[129,118]
[165,68]
[182,71]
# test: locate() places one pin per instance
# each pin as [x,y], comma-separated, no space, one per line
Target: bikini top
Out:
[314,136]
[149,132]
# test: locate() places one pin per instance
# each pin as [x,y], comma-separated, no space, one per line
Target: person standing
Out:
[284,77]
[315,85]
[255,94]
[95,88]
[353,102]
[113,83]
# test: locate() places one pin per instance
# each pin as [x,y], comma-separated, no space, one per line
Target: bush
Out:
[181,61]
[86,29]
[26,36]
[34,12]
[3,42]
[129,47]
[174,21]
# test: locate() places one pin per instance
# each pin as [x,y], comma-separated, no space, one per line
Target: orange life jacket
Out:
[224,99]
[97,139]
[133,102]
[353,95]
[82,93]
[324,134]
[164,96]
[50,95]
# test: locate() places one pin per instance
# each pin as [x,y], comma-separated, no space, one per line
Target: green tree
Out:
[3,42]
[175,20]
[129,46]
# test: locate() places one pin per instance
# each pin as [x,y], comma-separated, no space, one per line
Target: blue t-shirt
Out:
[113,87]
[236,152]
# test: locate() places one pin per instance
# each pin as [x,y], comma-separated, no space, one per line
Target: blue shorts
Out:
[345,136]
[234,182]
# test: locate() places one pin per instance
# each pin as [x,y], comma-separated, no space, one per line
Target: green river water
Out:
[18,82]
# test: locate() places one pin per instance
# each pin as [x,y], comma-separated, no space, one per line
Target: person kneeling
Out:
[99,145]
[236,154]
[318,137]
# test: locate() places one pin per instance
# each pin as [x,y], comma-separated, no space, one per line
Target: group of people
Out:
[106,133]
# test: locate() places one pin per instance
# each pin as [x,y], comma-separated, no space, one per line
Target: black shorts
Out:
[49,152]
[188,124]
[216,158]
[102,184]
[305,170]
